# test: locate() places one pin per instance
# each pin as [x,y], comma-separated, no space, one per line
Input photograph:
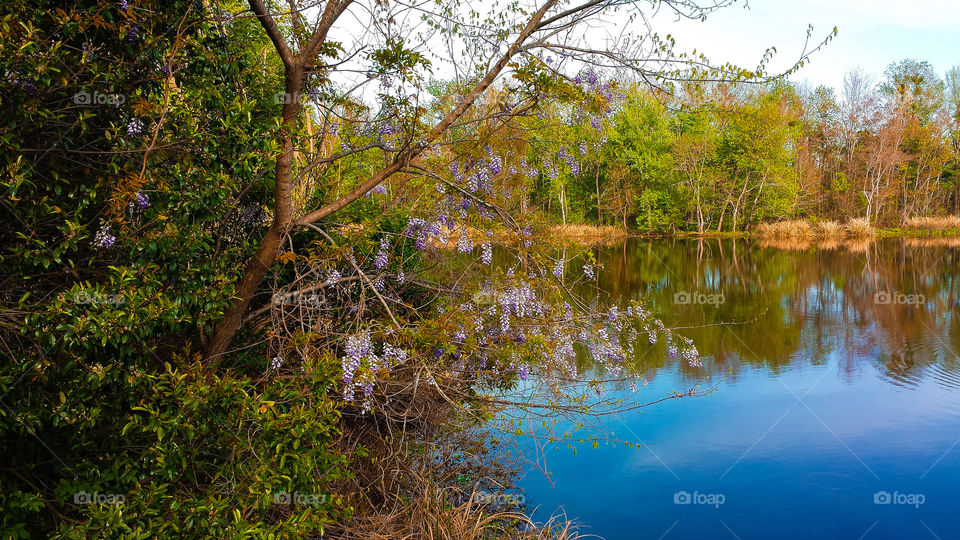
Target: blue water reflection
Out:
[837,413]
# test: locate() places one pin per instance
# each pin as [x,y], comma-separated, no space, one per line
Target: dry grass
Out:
[791,228]
[860,228]
[588,234]
[933,223]
[436,514]
[830,229]
[398,491]
[585,235]
[798,229]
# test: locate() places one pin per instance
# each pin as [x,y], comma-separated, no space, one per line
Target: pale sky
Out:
[871,34]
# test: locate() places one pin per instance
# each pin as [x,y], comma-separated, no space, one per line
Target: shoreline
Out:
[593,234]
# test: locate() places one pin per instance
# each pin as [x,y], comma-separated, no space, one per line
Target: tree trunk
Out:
[256,269]
[597,180]
[563,203]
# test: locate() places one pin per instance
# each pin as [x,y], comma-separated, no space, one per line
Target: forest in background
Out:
[727,157]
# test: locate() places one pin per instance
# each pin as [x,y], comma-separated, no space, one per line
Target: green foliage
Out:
[105,107]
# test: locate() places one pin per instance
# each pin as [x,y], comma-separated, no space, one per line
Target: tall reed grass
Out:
[933,223]
[860,228]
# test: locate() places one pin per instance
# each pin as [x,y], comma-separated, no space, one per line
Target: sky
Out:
[871,35]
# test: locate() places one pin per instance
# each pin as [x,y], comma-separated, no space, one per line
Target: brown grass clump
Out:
[588,234]
[860,228]
[934,223]
[438,514]
[791,228]
[830,230]
[765,230]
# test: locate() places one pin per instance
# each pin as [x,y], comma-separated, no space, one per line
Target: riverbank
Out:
[787,234]
[853,229]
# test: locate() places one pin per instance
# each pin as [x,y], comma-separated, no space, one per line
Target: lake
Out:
[836,412]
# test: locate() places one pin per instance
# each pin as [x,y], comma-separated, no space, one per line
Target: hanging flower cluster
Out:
[103,238]
[383,255]
[361,364]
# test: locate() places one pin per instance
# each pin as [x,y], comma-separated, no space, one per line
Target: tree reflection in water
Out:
[888,305]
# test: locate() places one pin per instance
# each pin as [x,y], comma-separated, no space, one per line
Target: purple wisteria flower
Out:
[486,253]
[464,243]
[379,189]
[383,255]
[592,78]
[103,238]
[495,166]
[588,271]
[393,355]
[358,348]
[558,268]
[692,356]
[142,200]
[135,127]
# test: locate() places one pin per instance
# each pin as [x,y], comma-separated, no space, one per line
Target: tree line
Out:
[725,157]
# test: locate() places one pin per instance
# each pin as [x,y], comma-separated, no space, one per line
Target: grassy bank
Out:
[858,228]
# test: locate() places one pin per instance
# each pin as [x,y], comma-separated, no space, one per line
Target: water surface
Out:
[838,391]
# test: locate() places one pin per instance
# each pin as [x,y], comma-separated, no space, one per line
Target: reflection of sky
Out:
[797,448]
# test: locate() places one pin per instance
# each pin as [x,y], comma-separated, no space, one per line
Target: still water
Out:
[837,407]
